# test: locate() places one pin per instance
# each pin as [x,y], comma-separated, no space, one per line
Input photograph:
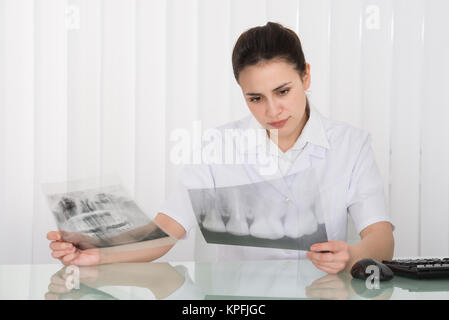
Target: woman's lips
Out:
[278,124]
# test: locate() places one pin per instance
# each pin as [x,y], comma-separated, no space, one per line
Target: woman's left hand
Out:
[331,262]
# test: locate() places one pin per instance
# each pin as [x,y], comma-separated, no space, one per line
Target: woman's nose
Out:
[273,109]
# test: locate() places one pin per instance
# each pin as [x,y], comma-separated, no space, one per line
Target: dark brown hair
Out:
[271,41]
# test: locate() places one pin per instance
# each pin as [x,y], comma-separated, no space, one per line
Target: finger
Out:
[69,259]
[60,245]
[321,257]
[333,246]
[340,257]
[326,279]
[51,296]
[335,283]
[330,264]
[327,269]
[337,266]
[54,288]
[61,253]
[313,293]
[54,235]
[330,286]
[333,294]
[56,279]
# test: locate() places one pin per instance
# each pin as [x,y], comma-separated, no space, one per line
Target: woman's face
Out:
[275,95]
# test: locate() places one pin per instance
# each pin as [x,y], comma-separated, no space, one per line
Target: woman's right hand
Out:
[69,254]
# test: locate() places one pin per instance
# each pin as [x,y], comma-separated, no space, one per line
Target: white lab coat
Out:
[335,172]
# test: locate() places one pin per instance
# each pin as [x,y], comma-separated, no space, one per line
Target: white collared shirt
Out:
[343,170]
[312,132]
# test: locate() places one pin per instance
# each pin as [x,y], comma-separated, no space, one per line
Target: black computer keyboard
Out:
[419,268]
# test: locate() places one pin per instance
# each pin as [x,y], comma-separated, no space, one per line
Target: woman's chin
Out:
[280,133]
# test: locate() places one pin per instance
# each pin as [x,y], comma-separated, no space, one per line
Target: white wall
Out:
[95,93]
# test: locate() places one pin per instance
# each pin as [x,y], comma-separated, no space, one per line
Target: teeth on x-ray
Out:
[263,214]
[266,227]
[299,225]
[213,221]
[237,223]
[267,222]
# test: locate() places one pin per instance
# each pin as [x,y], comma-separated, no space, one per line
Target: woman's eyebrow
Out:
[282,85]
[277,88]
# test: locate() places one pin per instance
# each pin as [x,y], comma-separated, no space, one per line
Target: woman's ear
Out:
[306,78]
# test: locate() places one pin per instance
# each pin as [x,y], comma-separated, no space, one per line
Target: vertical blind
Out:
[94,87]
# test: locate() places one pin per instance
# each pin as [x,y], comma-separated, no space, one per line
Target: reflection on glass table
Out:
[281,279]
[112,282]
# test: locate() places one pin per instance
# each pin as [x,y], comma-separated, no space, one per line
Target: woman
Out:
[269,65]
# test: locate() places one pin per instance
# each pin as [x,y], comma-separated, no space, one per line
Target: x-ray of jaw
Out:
[91,214]
[259,215]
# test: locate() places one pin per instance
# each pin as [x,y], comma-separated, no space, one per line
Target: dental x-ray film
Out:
[98,213]
[262,214]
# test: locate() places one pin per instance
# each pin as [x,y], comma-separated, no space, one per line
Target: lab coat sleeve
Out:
[366,201]
[177,204]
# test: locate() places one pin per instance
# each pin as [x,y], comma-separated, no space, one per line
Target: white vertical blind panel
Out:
[345,71]
[84,63]
[345,62]
[435,133]
[182,79]
[215,77]
[214,62]
[245,14]
[2,111]
[284,12]
[150,104]
[182,93]
[50,115]
[406,102]
[314,22]
[377,47]
[118,91]
[17,129]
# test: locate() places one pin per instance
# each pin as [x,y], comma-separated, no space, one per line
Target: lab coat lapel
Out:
[312,156]
[266,170]
[272,176]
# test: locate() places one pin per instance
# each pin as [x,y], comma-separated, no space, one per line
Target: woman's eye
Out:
[255,99]
[284,92]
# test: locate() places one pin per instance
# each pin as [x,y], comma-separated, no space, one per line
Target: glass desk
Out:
[288,279]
